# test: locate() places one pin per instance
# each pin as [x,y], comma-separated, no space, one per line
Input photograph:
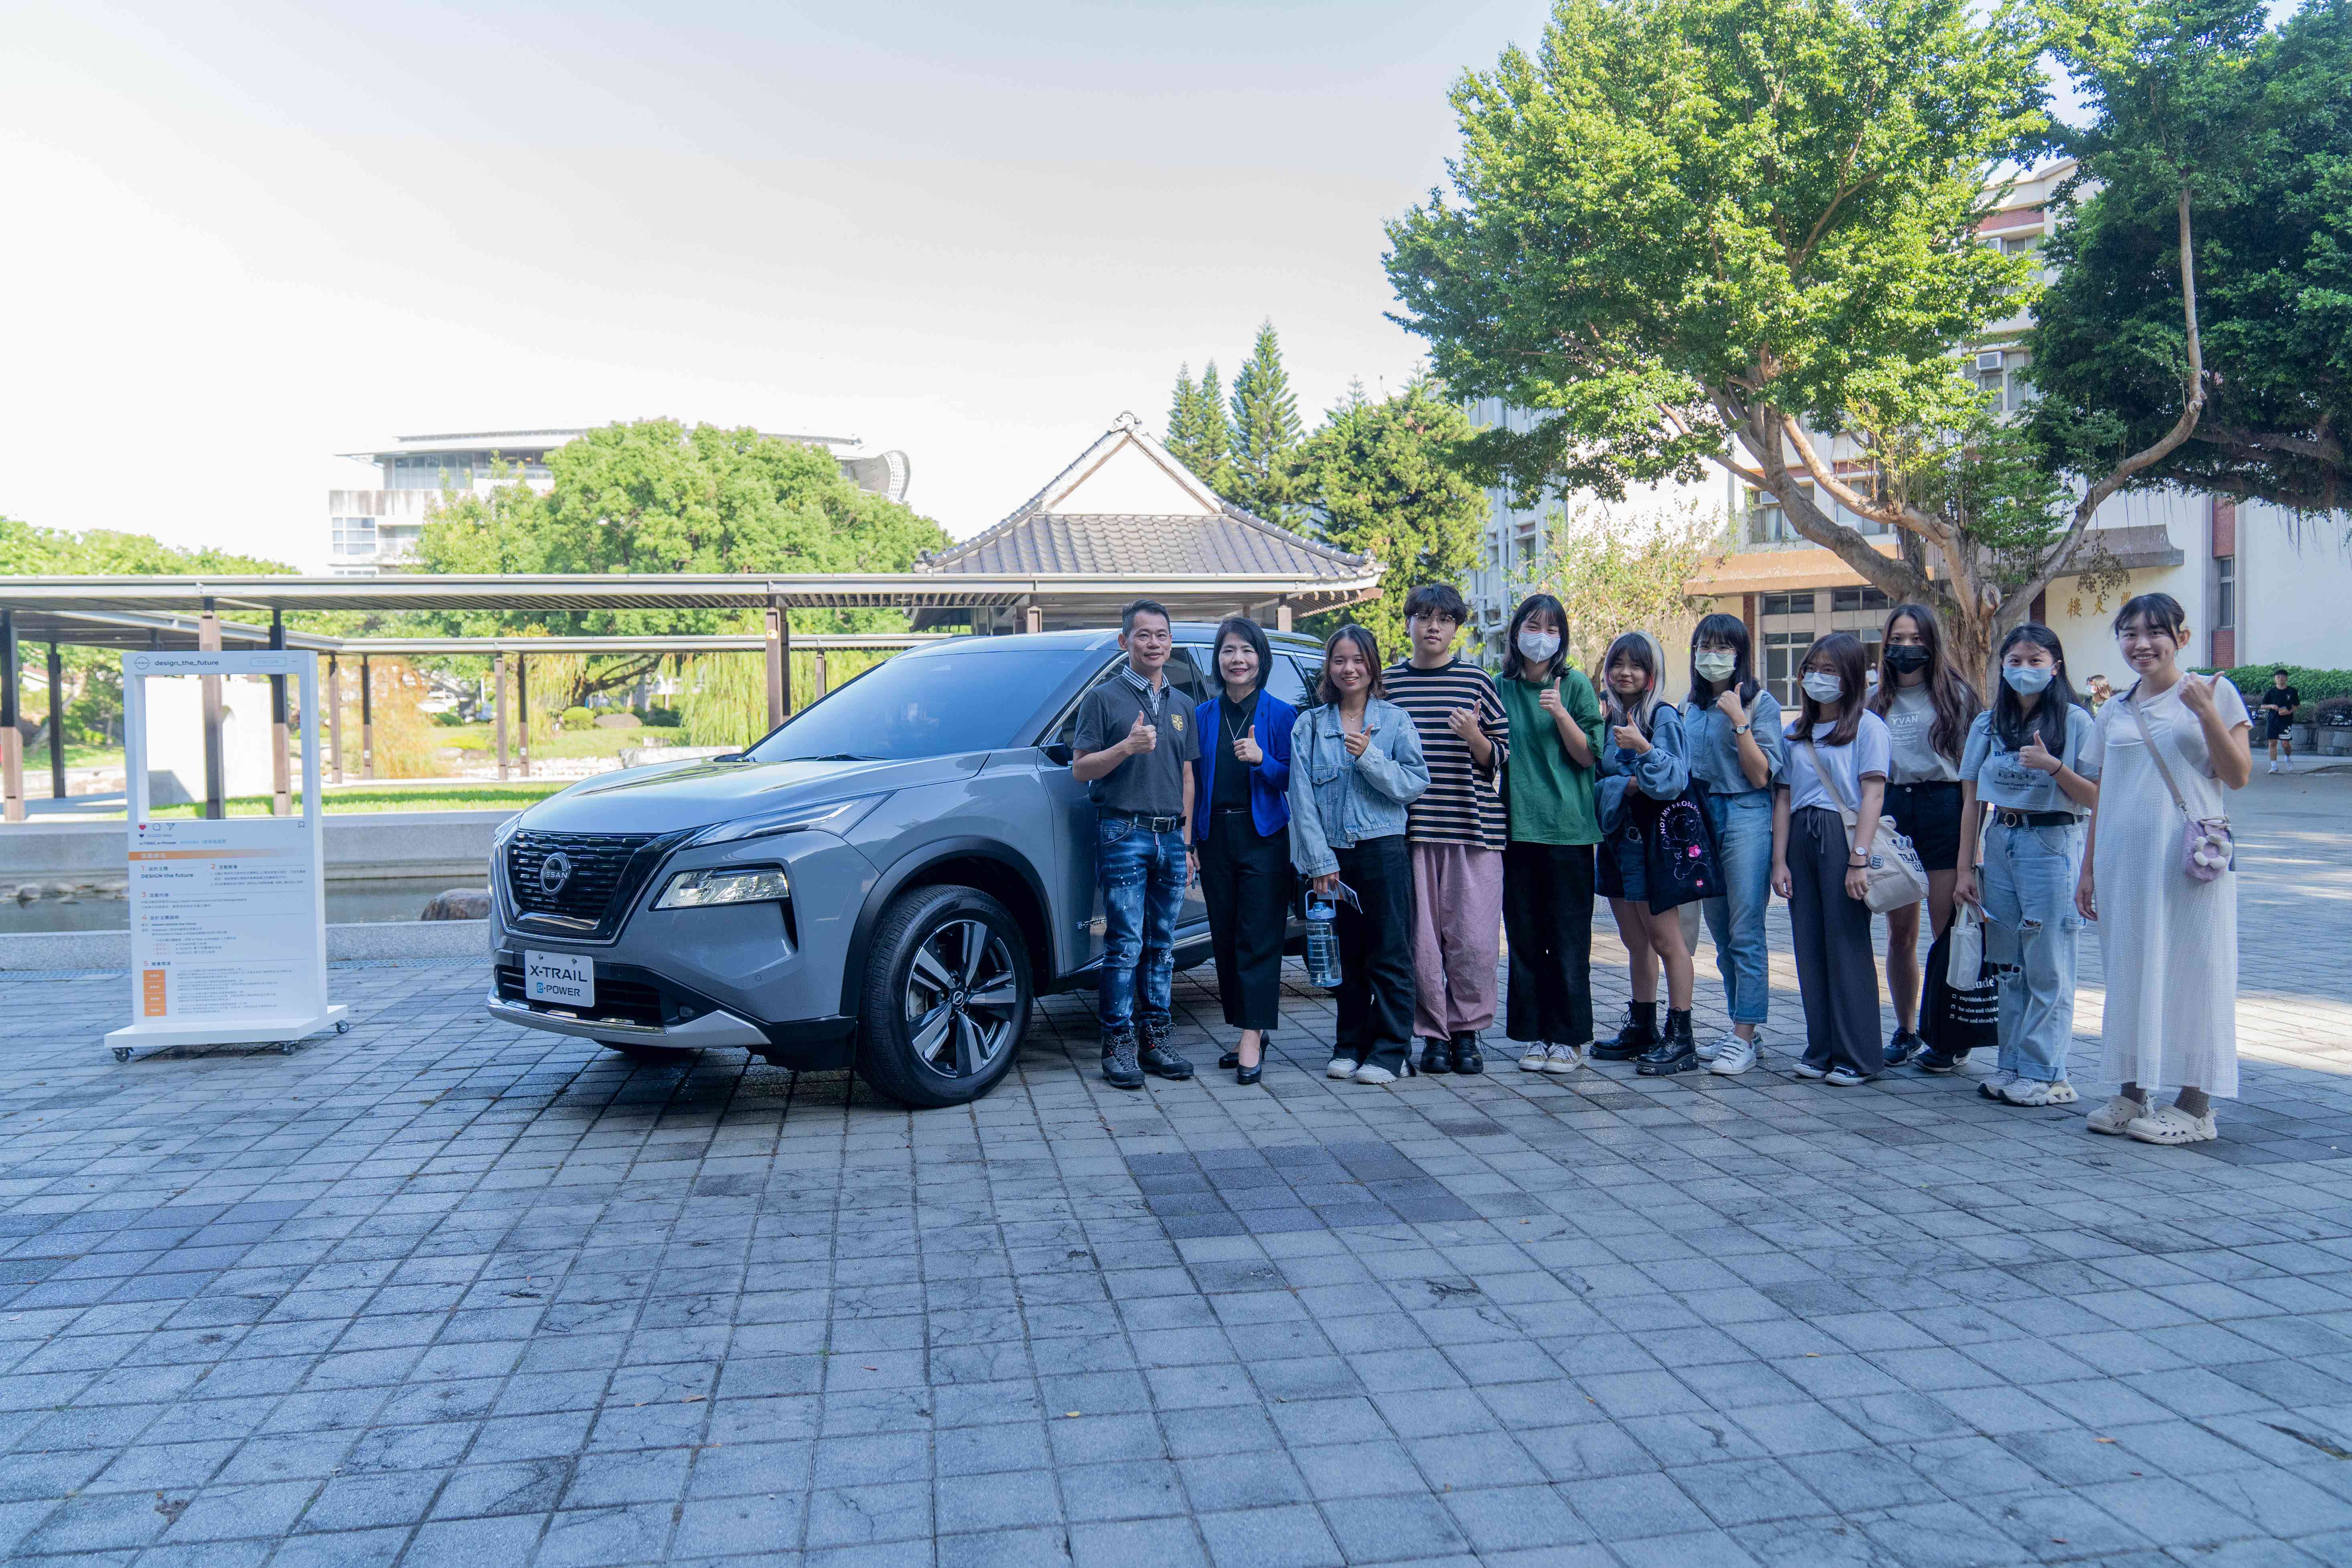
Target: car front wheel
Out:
[946,997]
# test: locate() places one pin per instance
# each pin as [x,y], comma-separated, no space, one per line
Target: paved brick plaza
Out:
[441,1292]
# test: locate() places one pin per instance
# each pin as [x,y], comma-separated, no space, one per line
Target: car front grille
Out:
[603,872]
[617,1001]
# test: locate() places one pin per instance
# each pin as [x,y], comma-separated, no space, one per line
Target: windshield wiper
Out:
[838,757]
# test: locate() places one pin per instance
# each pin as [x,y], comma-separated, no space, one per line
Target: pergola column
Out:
[780,663]
[282,802]
[1282,615]
[208,640]
[11,743]
[820,677]
[1033,616]
[335,716]
[522,710]
[57,724]
[367,722]
[499,701]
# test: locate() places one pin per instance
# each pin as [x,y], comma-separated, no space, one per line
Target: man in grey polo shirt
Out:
[1134,747]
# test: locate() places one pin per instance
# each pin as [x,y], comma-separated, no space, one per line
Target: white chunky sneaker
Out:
[2033,1092]
[1993,1086]
[1533,1059]
[1843,1077]
[1342,1067]
[2115,1115]
[2170,1125]
[1732,1056]
[1368,1073]
[1563,1058]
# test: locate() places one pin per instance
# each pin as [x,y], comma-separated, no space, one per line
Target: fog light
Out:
[726,884]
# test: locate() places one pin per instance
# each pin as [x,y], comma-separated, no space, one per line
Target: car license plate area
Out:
[559,979]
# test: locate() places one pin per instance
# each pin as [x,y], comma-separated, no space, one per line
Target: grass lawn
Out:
[484,738]
[422,796]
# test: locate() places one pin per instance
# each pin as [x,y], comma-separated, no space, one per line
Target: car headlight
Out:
[831,816]
[725,885]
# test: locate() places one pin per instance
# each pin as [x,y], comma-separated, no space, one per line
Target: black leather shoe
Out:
[1120,1068]
[1249,1074]
[1462,1054]
[1903,1046]
[1638,1034]
[1229,1061]
[1435,1056]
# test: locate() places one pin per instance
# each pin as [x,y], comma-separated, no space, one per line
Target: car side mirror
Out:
[1059,753]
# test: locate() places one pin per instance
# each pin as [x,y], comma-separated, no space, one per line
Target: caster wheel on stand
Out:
[123,1053]
[342,1026]
[286,1047]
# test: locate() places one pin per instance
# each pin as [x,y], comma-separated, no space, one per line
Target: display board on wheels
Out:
[228,918]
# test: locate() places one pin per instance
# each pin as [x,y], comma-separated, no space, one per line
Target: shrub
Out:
[449,718]
[619,721]
[576,719]
[2314,686]
[662,718]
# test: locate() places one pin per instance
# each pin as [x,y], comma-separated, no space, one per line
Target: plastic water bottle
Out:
[1322,941]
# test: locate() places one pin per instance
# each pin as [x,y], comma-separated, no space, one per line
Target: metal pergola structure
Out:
[184,613]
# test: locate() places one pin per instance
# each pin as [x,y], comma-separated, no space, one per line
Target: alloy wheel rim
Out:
[962,999]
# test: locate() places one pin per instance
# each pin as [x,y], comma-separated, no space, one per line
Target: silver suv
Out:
[886,882]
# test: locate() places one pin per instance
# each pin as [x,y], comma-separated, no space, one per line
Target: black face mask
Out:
[1906,660]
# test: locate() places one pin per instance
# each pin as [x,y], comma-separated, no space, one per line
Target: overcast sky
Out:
[244,237]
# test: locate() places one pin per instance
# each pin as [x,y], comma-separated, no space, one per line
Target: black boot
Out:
[1463,1052]
[1156,1056]
[1639,1033]
[1120,1069]
[1676,1053]
[1434,1057]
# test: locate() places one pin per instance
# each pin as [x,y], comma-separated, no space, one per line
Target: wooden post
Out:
[208,640]
[367,722]
[11,741]
[779,668]
[498,701]
[57,724]
[1033,616]
[335,716]
[281,782]
[820,676]
[522,710]
[1282,615]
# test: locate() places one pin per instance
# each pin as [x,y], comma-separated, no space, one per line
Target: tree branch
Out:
[1890,573]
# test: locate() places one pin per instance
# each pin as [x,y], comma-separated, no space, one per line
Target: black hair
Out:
[1515,663]
[1366,644]
[1842,650]
[1250,632]
[2055,706]
[1143,608]
[2282,669]
[1723,629]
[2162,613]
[1954,698]
[1641,651]
[1443,600]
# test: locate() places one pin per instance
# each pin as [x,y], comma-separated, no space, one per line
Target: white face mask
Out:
[1539,647]
[1715,666]
[1824,687]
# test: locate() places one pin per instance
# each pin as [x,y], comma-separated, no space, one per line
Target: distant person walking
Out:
[1547,866]
[2166,750]
[1131,744]
[1355,766]
[2279,704]
[1241,836]
[1454,832]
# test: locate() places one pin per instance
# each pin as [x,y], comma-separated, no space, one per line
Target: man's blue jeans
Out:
[1743,851]
[1143,876]
[2031,935]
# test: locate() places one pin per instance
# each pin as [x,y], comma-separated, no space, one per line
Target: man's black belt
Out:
[1147,823]
[2034,818]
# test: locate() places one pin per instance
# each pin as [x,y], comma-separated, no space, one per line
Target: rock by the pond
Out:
[27,891]
[458,904]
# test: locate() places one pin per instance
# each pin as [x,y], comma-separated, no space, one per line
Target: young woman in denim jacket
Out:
[1355,765]
[1732,725]
[2026,758]
[1644,757]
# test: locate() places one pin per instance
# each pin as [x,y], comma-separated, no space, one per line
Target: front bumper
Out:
[718,1028]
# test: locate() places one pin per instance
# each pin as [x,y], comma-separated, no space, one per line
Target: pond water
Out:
[387,898]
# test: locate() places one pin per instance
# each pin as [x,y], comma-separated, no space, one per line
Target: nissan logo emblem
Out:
[553,872]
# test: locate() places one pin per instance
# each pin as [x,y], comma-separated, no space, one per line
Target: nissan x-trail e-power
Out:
[886,882]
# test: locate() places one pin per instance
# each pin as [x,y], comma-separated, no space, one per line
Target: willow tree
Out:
[1699,232]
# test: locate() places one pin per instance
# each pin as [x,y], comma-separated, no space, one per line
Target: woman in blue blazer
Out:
[1241,835]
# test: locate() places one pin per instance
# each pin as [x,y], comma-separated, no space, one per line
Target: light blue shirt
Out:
[1870,751]
[2002,781]
[1714,749]
[1338,800]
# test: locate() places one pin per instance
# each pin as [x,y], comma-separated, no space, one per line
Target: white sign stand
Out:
[229,931]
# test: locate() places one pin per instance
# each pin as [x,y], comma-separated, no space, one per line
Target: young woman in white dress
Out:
[2169,941]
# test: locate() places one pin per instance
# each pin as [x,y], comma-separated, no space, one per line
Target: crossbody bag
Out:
[2208,848]
[1894,876]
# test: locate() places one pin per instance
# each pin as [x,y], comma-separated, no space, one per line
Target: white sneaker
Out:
[1843,1077]
[1368,1073]
[1534,1058]
[1993,1086]
[2173,1125]
[1705,1049]
[2115,1115]
[2274,767]
[1804,1069]
[1342,1067]
[2033,1092]
[1733,1055]
[1563,1058]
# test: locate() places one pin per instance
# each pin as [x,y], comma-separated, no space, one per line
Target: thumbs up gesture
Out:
[2037,756]
[1247,750]
[2197,695]
[1141,736]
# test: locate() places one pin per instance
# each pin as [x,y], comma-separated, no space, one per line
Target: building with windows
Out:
[371,530]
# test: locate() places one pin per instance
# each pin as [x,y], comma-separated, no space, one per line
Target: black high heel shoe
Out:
[1232,1061]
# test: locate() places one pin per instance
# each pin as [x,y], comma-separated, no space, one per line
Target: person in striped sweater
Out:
[1455,832]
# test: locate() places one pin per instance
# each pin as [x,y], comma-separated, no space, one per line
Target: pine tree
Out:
[1197,434]
[1265,430]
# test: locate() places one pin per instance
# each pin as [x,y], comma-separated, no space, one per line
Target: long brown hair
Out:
[1955,699]
[1844,651]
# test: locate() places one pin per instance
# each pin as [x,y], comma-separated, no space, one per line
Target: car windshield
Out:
[925,705]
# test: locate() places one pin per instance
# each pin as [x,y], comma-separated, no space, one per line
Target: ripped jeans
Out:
[2031,934]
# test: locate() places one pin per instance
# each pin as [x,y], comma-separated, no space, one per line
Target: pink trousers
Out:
[1457,937]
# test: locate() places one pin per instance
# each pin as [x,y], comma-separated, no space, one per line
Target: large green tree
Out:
[2258,124]
[1198,435]
[1380,478]
[1265,430]
[1695,231]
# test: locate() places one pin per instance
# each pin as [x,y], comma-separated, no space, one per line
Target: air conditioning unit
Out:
[1988,359]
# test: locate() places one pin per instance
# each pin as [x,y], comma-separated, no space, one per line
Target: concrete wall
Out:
[2295,592]
[361,845]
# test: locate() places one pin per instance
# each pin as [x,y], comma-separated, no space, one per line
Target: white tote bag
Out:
[1965,968]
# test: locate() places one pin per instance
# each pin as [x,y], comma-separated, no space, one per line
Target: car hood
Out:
[661,798]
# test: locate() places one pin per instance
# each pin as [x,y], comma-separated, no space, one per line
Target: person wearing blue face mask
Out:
[2026,758]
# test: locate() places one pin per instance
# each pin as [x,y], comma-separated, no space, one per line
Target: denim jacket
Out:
[1661,773]
[1338,801]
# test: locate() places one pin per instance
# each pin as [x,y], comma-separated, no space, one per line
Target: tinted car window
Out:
[924,705]
[1183,678]
[1284,681]
[1310,675]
